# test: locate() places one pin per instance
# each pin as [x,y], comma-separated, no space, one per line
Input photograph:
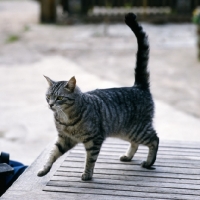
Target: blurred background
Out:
[88,39]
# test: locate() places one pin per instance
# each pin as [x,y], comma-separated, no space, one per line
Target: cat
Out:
[91,117]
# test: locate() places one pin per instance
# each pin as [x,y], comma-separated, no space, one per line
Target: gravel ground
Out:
[106,51]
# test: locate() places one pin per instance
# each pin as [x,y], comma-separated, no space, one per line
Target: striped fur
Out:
[91,117]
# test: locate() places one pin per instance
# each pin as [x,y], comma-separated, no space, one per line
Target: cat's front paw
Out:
[125,158]
[43,171]
[86,176]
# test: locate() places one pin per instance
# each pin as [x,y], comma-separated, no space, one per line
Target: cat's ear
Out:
[50,82]
[71,84]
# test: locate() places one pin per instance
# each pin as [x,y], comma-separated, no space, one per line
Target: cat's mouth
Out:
[52,108]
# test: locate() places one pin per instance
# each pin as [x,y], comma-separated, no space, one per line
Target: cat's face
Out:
[60,95]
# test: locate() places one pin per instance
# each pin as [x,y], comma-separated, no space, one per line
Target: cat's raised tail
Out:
[142,57]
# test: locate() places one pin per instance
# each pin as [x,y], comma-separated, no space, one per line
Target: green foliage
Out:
[128,5]
[196,16]
[26,28]
[12,38]
[15,37]
[108,4]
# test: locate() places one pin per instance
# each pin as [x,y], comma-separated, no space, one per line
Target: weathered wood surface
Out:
[175,175]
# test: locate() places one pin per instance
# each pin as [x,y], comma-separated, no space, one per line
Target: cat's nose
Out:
[51,105]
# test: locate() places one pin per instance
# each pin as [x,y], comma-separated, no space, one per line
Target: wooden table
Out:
[176,175]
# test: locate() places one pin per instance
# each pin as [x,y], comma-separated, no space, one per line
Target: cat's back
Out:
[123,99]
[133,95]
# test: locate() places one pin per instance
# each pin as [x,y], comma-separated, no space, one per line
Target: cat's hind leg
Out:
[130,152]
[61,146]
[153,148]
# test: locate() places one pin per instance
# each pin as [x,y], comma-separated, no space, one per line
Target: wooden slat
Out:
[115,193]
[144,151]
[132,173]
[169,144]
[75,158]
[131,178]
[125,188]
[140,182]
[173,155]
[161,148]
[38,195]
[129,168]
[115,158]
[172,146]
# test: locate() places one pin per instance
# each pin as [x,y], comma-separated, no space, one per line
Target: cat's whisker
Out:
[59,109]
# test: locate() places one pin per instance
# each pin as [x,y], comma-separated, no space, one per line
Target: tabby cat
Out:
[91,117]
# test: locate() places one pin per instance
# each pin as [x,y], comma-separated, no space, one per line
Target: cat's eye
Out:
[48,96]
[59,98]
